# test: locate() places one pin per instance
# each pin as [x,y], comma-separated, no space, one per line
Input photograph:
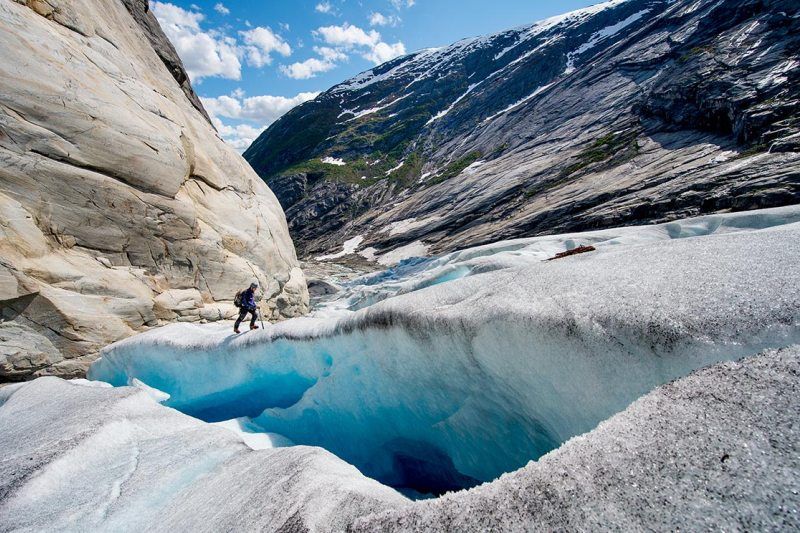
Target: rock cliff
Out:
[120,207]
[623,113]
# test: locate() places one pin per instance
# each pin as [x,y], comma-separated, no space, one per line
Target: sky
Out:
[251,61]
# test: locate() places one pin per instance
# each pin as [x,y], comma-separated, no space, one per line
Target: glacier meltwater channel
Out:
[453,370]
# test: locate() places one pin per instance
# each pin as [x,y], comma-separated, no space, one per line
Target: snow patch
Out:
[395,168]
[414,249]
[408,224]
[254,436]
[441,114]
[348,247]
[519,102]
[333,161]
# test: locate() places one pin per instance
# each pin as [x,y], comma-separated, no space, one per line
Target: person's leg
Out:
[253,319]
[242,314]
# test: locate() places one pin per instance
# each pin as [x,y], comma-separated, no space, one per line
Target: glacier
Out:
[443,373]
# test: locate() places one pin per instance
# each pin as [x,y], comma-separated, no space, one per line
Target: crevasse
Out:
[474,363]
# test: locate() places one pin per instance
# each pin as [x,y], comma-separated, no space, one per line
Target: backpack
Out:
[237,300]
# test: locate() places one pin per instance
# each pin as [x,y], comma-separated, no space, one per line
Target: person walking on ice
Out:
[246,302]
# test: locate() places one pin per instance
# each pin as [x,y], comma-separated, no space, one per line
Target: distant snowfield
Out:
[445,372]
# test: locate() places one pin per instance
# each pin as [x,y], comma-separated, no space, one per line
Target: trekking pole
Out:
[261,316]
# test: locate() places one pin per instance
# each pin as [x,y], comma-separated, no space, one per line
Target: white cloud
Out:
[260,43]
[349,37]
[330,54]
[212,53]
[340,41]
[399,4]
[379,19]
[383,52]
[204,53]
[303,70]
[263,109]
[221,9]
[257,112]
[324,7]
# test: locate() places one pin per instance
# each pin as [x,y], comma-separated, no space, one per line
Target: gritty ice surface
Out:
[471,364]
[78,458]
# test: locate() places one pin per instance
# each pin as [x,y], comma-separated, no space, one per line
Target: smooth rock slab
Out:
[116,193]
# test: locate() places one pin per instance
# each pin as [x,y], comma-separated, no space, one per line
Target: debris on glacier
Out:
[472,364]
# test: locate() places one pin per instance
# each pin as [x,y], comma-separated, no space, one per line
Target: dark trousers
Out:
[243,313]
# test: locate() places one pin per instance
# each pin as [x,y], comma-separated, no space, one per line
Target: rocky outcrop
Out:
[626,112]
[120,207]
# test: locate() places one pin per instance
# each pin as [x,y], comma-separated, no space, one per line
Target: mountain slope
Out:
[120,207]
[626,112]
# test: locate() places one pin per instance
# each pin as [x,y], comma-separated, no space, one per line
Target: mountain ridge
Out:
[580,104]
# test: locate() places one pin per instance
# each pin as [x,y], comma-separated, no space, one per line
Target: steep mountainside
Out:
[625,112]
[120,207]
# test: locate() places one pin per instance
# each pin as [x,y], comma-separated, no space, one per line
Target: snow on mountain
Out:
[616,114]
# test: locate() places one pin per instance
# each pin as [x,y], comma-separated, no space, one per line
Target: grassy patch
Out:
[696,51]
[753,150]
[608,150]
[364,170]
[618,148]
[455,168]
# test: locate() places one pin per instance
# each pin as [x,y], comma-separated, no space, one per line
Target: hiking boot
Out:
[253,327]
[236,330]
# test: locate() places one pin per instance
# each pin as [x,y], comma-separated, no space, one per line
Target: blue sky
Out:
[253,60]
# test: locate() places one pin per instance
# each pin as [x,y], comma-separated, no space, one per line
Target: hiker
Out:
[246,302]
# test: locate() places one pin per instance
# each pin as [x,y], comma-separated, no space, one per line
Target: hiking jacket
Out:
[249,298]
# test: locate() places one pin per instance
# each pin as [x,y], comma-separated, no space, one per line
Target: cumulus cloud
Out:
[379,19]
[340,42]
[347,35]
[368,43]
[303,70]
[212,53]
[253,114]
[204,53]
[260,43]
[383,52]
[221,9]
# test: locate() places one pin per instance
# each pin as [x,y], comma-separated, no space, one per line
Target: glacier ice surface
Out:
[456,369]
[77,458]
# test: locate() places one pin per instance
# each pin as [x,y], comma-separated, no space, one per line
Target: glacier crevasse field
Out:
[443,373]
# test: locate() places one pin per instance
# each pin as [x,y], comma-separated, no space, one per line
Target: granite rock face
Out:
[628,112]
[120,207]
